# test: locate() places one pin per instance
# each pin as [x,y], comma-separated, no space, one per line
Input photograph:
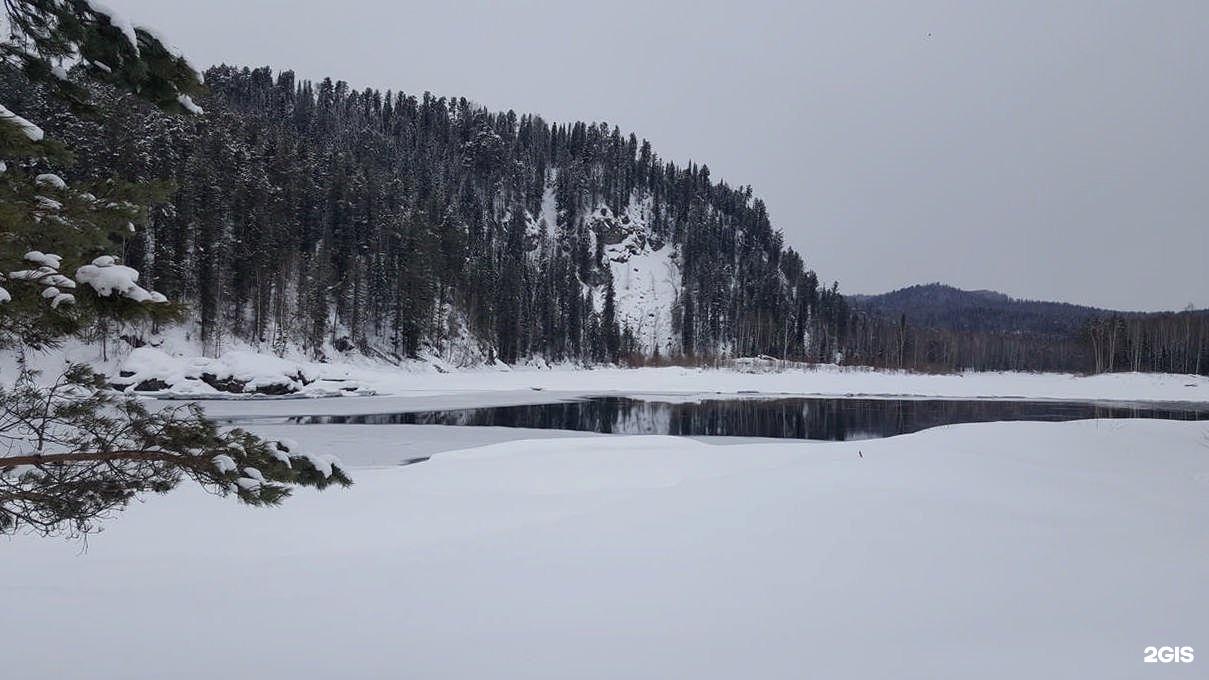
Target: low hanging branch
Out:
[72,453]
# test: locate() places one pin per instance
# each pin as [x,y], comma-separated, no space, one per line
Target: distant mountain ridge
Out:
[941,306]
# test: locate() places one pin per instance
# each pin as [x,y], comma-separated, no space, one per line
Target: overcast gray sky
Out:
[1049,150]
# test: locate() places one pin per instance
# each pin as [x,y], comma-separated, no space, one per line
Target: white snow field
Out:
[1005,550]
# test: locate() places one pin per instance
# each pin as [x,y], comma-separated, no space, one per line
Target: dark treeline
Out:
[939,328]
[880,341]
[313,215]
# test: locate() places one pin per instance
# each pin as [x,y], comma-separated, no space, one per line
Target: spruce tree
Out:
[608,323]
[75,451]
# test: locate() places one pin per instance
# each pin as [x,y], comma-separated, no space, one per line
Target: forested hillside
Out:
[938,327]
[940,306]
[314,216]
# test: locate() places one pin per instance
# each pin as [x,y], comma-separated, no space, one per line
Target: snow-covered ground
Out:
[180,371]
[176,362]
[1001,550]
[1012,550]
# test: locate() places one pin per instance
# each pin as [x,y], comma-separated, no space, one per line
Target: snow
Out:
[51,180]
[24,471]
[548,215]
[187,102]
[646,286]
[184,374]
[646,278]
[370,446]
[169,47]
[32,132]
[400,390]
[117,21]
[281,456]
[48,203]
[1005,550]
[224,463]
[44,259]
[46,275]
[108,278]
[322,463]
[5,296]
[432,383]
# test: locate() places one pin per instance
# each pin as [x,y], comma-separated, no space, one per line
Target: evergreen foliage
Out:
[72,452]
[331,218]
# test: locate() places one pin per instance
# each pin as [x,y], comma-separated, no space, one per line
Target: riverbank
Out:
[242,373]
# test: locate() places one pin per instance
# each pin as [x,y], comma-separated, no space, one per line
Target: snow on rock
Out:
[5,296]
[545,222]
[239,372]
[646,274]
[32,132]
[147,368]
[108,278]
[646,271]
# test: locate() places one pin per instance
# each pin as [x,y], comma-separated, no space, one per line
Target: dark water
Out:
[794,418]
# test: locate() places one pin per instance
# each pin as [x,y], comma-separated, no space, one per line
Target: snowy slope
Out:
[994,551]
[646,274]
